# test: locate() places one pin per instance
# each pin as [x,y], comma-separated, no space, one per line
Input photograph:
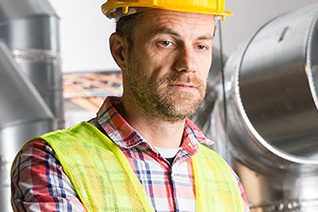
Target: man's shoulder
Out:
[35,153]
[72,133]
[39,145]
[38,180]
[208,149]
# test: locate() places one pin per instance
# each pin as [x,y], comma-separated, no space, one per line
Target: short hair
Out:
[126,26]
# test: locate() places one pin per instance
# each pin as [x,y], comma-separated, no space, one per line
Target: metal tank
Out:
[31,30]
[23,114]
[271,128]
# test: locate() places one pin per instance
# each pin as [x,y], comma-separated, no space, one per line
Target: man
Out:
[141,152]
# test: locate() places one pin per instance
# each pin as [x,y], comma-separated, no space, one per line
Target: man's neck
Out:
[157,132]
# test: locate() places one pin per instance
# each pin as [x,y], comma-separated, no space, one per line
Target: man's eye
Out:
[165,43]
[201,47]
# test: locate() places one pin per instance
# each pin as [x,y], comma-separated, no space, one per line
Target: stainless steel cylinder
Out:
[23,114]
[272,118]
[31,30]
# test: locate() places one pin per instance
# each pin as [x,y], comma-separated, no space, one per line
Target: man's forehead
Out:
[169,31]
[173,22]
[160,15]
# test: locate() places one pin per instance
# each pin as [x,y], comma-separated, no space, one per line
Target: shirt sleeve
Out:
[38,182]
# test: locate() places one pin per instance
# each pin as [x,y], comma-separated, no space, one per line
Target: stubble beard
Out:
[157,100]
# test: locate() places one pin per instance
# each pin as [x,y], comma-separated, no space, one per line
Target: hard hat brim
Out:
[113,5]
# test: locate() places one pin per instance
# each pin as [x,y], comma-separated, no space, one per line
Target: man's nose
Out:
[185,60]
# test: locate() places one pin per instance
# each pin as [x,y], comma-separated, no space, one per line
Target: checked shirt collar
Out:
[124,136]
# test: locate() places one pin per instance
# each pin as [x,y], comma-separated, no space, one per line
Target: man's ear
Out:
[118,48]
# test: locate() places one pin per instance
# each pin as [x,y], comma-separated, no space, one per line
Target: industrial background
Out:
[56,69]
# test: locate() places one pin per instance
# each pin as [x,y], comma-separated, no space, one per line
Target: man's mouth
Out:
[183,86]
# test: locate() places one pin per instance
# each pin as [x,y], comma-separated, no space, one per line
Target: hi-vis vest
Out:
[105,181]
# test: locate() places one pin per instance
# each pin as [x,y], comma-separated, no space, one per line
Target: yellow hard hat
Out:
[215,7]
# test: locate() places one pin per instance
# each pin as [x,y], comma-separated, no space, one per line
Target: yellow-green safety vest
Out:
[105,181]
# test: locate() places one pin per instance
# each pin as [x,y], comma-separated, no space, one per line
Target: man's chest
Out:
[169,187]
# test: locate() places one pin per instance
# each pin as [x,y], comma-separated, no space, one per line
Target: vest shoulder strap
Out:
[96,167]
[216,189]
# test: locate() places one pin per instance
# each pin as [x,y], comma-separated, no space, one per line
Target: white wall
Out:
[85,31]
[84,35]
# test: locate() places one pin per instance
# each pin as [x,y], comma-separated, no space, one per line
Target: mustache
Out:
[183,79]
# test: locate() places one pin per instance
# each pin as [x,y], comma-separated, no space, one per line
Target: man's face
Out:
[169,62]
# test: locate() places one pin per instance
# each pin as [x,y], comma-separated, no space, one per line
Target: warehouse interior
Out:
[261,108]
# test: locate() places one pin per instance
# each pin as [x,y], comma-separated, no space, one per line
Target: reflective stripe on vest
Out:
[105,181]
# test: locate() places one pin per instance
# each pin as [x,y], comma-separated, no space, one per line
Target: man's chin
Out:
[183,109]
[188,103]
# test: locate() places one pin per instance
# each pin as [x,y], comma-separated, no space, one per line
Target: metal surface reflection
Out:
[30,72]
[31,31]
[272,126]
[23,114]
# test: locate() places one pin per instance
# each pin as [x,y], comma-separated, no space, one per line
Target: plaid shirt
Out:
[40,184]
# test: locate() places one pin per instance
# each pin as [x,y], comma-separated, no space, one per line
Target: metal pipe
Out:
[30,28]
[23,114]
[272,126]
